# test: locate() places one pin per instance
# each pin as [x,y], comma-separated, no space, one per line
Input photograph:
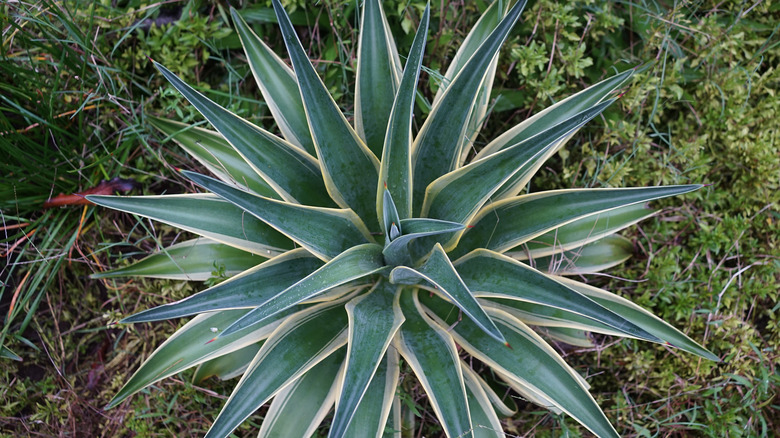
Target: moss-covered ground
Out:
[75,89]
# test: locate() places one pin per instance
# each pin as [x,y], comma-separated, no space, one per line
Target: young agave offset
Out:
[355,247]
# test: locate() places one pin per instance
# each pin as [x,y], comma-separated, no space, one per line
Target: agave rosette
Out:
[353,247]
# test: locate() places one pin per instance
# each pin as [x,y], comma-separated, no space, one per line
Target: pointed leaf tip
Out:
[214,339]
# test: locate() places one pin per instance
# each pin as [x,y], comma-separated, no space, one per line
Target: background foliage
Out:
[76,86]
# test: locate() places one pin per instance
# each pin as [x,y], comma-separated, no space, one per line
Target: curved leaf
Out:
[245,291]
[481,30]
[228,366]
[530,360]
[547,118]
[278,85]
[508,223]
[502,405]
[6,353]
[212,150]
[575,337]
[458,195]
[194,260]
[640,317]
[433,356]
[348,166]
[436,149]
[292,173]
[489,274]
[190,346]
[357,262]
[374,318]
[299,408]
[377,78]
[391,222]
[295,347]
[301,223]
[557,113]
[477,35]
[593,257]
[375,406]
[397,253]
[483,418]
[395,173]
[542,315]
[581,232]
[206,215]
[439,272]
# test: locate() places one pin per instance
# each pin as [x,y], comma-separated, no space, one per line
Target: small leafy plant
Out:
[353,247]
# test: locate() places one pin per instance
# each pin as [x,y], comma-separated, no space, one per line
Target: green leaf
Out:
[581,232]
[391,223]
[299,408]
[489,274]
[483,417]
[528,392]
[228,366]
[193,260]
[641,318]
[593,257]
[508,223]
[348,166]
[503,405]
[374,319]
[245,291]
[530,360]
[481,30]
[375,406]
[212,150]
[546,119]
[542,315]
[206,215]
[458,195]
[292,172]
[574,337]
[476,36]
[433,356]
[352,264]
[434,152]
[439,272]
[377,78]
[395,173]
[278,85]
[295,347]
[325,232]
[557,113]
[190,346]
[6,353]
[397,253]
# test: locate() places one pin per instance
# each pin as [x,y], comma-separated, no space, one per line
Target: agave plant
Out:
[354,247]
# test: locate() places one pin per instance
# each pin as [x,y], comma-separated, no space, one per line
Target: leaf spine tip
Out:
[207,343]
[508,346]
